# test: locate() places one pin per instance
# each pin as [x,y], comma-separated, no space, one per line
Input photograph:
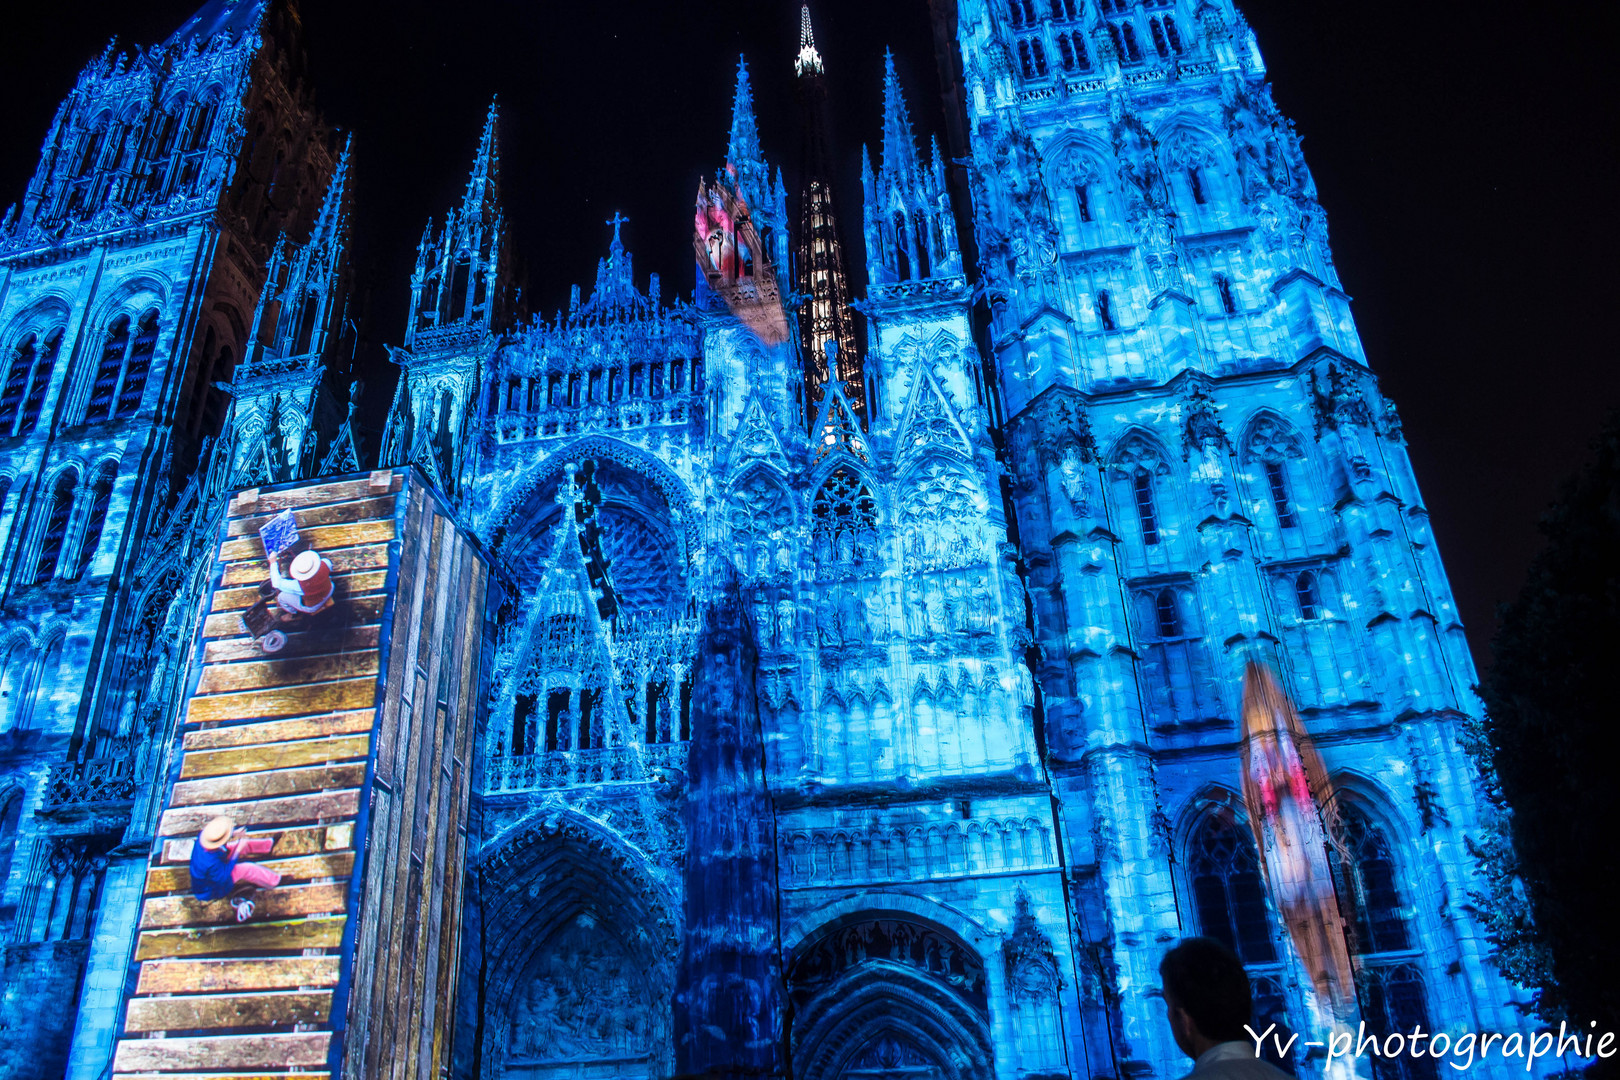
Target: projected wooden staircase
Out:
[290,746]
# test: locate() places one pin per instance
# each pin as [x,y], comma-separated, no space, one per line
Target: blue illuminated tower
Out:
[1204,472]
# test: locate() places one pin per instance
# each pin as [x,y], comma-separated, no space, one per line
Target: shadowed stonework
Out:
[860,713]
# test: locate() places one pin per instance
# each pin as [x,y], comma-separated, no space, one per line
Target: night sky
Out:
[1466,154]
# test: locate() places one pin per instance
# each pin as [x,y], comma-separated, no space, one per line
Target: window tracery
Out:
[844,526]
[761,519]
[125,362]
[1228,893]
[939,507]
[29,375]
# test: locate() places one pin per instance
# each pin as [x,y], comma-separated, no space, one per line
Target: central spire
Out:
[809,61]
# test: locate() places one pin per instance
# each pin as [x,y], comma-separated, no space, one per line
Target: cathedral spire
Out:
[483,186]
[899,148]
[332,222]
[743,152]
[809,61]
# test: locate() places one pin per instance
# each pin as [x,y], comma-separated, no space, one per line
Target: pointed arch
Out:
[1267,436]
[844,522]
[763,519]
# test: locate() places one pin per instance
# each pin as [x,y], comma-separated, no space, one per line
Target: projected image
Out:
[733,259]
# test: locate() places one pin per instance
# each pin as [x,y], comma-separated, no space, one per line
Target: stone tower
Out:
[130,274]
[1204,473]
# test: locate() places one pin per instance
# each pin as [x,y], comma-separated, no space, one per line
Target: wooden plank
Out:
[295,809]
[285,701]
[281,755]
[275,731]
[168,879]
[348,638]
[332,513]
[341,616]
[343,560]
[304,1048]
[278,1008]
[314,840]
[213,976]
[254,675]
[296,498]
[357,583]
[262,785]
[249,937]
[281,902]
[321,538]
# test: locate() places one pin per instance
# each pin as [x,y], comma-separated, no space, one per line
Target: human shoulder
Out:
[1234,1061]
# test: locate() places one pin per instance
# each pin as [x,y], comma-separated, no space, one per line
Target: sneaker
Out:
[244,909]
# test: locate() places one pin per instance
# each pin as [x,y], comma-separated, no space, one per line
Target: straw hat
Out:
[216,832]
[305,565]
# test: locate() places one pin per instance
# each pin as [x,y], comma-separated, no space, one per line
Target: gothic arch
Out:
[764,519]
[893,975]
[1137,446]
[1268,436]
[680,500]
[581,948]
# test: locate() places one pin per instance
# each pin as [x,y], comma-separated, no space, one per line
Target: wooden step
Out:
[329,639]
[322,538]
[310,840]
[292,810]
[276,1051]
[357,583]
[343,560]
[228,678]
[277,731]
[351,612]
[256,758]
[194,1012]
[292,935]
[211,976]
[174,879]
[331,514]
[259,785]
[282,902]
[286,701]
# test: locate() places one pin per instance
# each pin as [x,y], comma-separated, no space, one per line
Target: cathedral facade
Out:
[859,706]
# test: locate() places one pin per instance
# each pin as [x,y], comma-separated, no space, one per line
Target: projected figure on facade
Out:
[217,871]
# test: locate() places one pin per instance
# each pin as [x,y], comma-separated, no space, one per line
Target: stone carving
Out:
[586,1000]
[1032,973]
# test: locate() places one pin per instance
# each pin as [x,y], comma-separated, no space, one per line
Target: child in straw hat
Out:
[216,871]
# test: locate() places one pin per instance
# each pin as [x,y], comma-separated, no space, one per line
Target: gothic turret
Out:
[286,414]
[462,279]
[910,233]
[829,344]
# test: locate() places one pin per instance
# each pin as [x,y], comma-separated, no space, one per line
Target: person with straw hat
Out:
[216,869]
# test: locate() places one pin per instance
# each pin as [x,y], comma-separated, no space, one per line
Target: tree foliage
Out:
[1547,751]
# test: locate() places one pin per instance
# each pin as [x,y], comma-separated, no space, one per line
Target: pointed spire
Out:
[899,148]
[483,186]
[743,145]
[809,61]
[332,222]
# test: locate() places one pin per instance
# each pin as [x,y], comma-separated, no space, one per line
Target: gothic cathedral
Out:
[863,691]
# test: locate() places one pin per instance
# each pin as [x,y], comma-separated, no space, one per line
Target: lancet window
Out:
[1072,50]
[844,526]
[1307,595]
[100,502]
[59,511]
[1105,310]
[126,359]
[1166,38]
[1031,57]
[1146,516]
[1223,286]
[1177,674]
[27,379]
[1228,892]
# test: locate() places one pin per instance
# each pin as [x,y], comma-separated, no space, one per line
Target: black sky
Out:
[1466,154]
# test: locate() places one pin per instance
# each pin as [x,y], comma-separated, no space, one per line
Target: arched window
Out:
[1166,615]
[104,392]
[1392,990]
[1277,481]
[458,288]
[11,802]
[1378,916]
[1082,200]
[121,374]
[1142,488]
[902,260]
[1015,12]
[16,388]
[1305,591]
[1105,310]
[100,501]
[56,523]
[306,324]
[843,525]
[1173,34]
[140,363]
[1195,184]
[1228,893]
[1223,286]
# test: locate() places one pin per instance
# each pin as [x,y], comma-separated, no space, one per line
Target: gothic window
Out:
[1271,1007]
[1173,34]
[1166,615]
[458,288]
[1166,41]
[55,530]
[1031,57]
[1223,286]
[1072,50]
[22,367]
[1195,184]
[100,500]
[1277,482]
[122,371]
[11,802]
[939,506]
[1393,999]
[1228,893]
[1065,9]
[27,379]
[1378,916]
[760,520]
[16,660]
[1082,201]
[1142,489]
[844,526]
[306,324]
[1105,310]
[1306,594]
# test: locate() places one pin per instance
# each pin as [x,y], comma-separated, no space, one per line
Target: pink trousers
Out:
[252,873]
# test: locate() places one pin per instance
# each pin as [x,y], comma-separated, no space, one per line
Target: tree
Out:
[1547,749]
